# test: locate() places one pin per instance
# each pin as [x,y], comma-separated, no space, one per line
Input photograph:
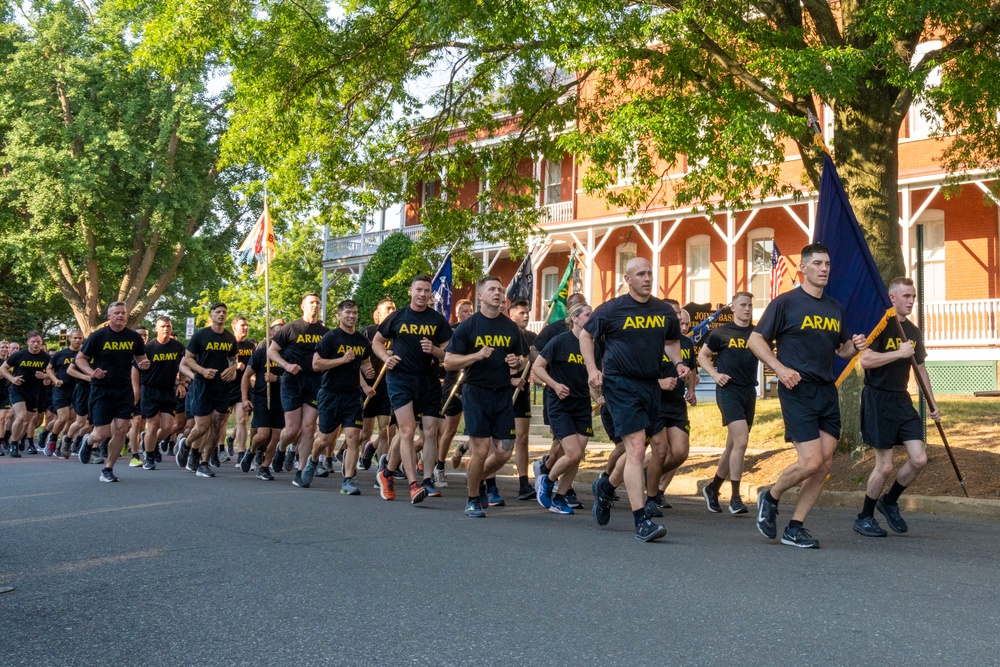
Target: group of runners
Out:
[315,400]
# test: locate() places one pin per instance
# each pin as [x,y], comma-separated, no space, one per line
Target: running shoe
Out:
[264,473]
[366,456]
[246,462]
[150,463]
[229,444]
[164,447]
[298,481]
[661,501]
[536,468]
[398,473]
[15,453]
[322,471]
[494,498]
[417,493]
[205,470]
[50,447]
[157,456]
[440,479]
[349,487]
[31,449]
[474,509]
[307,473]
[526,492]
[766,513]
[84,452]
[799,537]
[711,497]
[543,487]
[336,464]
[180,458]
[736,506]
[652,510]
[223,455]
[136,462]
[647,531]
[572,500]
[107,475]
[385,485]
[279,461]
[456,460]
[484,499]
[867,526]
[891,514]
[3,450]
[290,460]
[213,458]
[432,490]
[560,506]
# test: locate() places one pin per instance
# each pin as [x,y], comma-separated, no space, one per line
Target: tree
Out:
[324,101]
[377,283]
[110,185]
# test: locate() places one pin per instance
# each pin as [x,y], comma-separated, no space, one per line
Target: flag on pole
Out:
[558,302]
[441,288]
[522,286]
[259,243]
[778,270]
[700,331]
[855,282]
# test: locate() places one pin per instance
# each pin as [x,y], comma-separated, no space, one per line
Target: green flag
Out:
[562,293]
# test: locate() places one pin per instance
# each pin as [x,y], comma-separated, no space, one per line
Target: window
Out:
[429,190]
[553,182]
[923,122]
[481,203]
[934,275]
[760,243]
[628,164]
[550,283]
[828,125]
[624,253]
[699,263]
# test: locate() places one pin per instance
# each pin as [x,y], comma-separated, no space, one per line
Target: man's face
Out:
[903,297]
[464,312]
[75,341]
[240,329]
[685,320]
[742,309]
[639,276]
[117,317]
[4,350]
[164,330]
[14,347]
[35,344]
[348,317]
[520,316]
[420,294]
[144,333]
[218,316]
[383,311]
[816,270]
[491,293]
[310,308]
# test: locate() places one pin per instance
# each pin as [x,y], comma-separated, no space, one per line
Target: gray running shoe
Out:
[349,488]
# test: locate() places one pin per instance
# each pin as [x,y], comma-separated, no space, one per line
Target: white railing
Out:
[560,212]
[363,246]
[536,326]
[961,323]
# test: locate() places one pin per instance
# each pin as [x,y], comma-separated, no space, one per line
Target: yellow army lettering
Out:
[645,322]
[218,347]
[575,358]
[737,342]
[492,341]
[893,344]
[419,329]
[358,350]
[245,352]
[820,322]
[164,356]
[118,345]
[28,363]
[308,338]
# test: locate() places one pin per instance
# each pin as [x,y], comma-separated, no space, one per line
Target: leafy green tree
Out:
[377,282]
[110,186]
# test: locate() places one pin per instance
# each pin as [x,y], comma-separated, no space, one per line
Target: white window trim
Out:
[621,249]
[918,127]
[697,240]
[546,183]
[931,216]
[546,272]
[755,235]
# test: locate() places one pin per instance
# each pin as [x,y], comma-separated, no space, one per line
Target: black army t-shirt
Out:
[565,364]
[480,331]
[114,352]
[734,358]
[406,328]
[895,375]
[261,364]
[548,333]
[213,350]
[244,350]
[808,331]
[164,361]
[369,333]
[24,364]
[634,334]
[60,362]
[345,378]
[298,340]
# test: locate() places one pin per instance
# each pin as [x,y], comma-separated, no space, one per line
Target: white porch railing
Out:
[363,245]
[559,212]
[961,323]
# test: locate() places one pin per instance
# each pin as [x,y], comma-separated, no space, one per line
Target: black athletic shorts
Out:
[379,403]
[634,404]
[235,393]
[736,404]
[81,399]
[455,407]
[888,418]
[609,425]
[809,408]
[522,406]
[488,413]
[154,401]
[110,403]
[45,398]
[570,416]
[424,391]
[207,396]
[62,397]
[299,390]
[264,417]
[339,409]
[29,398]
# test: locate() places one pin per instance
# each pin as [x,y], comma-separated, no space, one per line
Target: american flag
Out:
[778,270]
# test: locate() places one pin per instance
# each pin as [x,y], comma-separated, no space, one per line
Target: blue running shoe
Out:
[545,486]
[560,506]
[494,497]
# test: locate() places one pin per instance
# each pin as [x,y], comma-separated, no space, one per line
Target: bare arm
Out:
[5,371]
[455,362]
[274,354]
[382,352]
[705,361]
[852,347]
[594,377]
[673,351]
[762,350]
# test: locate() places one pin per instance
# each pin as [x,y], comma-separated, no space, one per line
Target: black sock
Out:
[439,465]
[559,497]
[771,499]
[473,499]
[522,480]
[428,480]
[606,486]
[544,468]
[736,488]
[650,499]
[639,515]
[893,496]
[794,524]
[491,482]
[716,483]
[869,508]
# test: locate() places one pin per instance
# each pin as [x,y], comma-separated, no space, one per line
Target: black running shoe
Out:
[258,458]
[736,506]
[83,453]
[15,454]
[298,480]
[108,476]
[265,474]
[367,456]
[602,504]
[213,458]
[205,470]
[867,526]
[290,461]
[157,456]
[799,537]
[149,463]
[229,444]
[891,514]
[661,502]
[279,461]
[526,492]
[246,462]
[647,531]
[182,456]
[766,513]
[194,461]
[572,500]
[31,449]
[711,497]
[652,510]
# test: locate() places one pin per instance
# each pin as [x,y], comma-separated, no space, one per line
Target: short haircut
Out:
[421,278]
[384,301]
[487,279]
[240,318]
[218,305]
[31,334]
[464,302]
[673,302]
[163,318]
[901,280]
[116,304]
[307,295]
[740,295]
[814,249]
[142,326]
[520,303]
[345,304]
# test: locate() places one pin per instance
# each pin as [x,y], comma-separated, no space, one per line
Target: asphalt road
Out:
[168,569]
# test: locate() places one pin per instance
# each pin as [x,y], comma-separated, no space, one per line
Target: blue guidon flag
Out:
[441,288]
[855,282]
